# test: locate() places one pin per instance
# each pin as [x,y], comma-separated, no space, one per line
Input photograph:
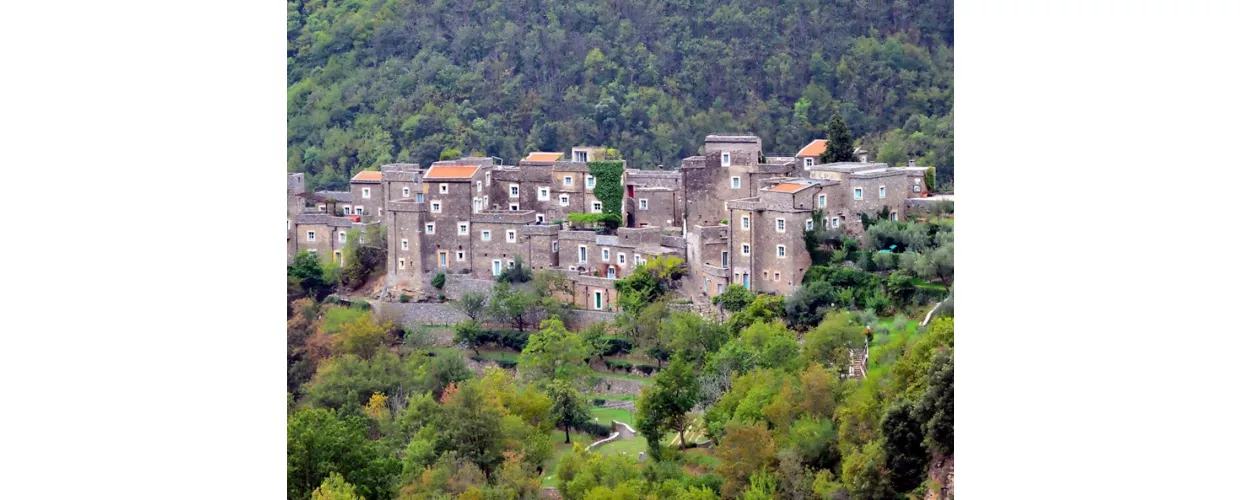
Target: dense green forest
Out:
[376,81]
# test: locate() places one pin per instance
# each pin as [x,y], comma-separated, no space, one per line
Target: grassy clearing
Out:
[630,446]
[499,354]
[606,415]
[642,380]
[613,397]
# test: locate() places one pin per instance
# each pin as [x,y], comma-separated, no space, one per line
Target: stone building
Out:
[366,192]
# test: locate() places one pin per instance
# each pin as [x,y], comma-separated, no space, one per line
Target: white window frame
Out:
[723,258]
[882,192]
[620,259]
[637,258]
[598,300]
[745,222]
[429,228]
[725,159]
[606,254]
[544,193]
[404,192]
[582,254]
[611,272]
[894,216]
[513,207]
[478,206]
[643,204]
[596,207]
[348,210]
[366,193]
[809,162]
[568,180]
[858,193]
[486,235]
[835,222]
[780,225]
[736,182]
[340,236]
[478,185]
[776,275]
[555,246]
[359,210]
[781,251]
[809,224]
[309,235]
[822,201]
[590,182]
[400,263]
[436,206]
[488,177]
[462,228]
[540,219]
[510,236]
[460,256]
[744,249]
[404,244]
[564,200]
[514,190]
[443,188]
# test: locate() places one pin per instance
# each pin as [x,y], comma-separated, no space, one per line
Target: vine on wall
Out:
[607,184]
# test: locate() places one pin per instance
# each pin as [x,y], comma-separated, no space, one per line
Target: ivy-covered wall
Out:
[607,184]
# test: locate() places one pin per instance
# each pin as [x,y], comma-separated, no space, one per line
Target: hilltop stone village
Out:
[734,214]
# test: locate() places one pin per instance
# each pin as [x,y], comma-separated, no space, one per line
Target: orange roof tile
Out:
[788,187]
[451,172]
[544,156]
[814,148]
[368,175]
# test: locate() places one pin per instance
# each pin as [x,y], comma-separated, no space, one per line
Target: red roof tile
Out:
[445,172]
[815,148]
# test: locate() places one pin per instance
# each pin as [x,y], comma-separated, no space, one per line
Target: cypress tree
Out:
[839,142]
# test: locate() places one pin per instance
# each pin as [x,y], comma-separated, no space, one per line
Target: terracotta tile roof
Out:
[536,156]
[814,148]
[368,175]
[445,172]
[789,187]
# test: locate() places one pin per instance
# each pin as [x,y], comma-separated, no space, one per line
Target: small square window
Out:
[643,204]
[514,191]
[460,256]
[539,218]
[486,235]
[340,236]
[511,236]
[443,189]
[365,192]
[779,225]
[435,207]
[568,180]
[726,159]
[606,255]
[744,222]
[358,210]
[404,192]
[597,207]
[620,258]
[563,200]
[430,228]
[835,222]
[348,210]
[779,251]
[544,193]
[404,244]
[589,181]
[309,235]
[745,249]
[809,162]
[400,263]
[776,275]
[514,207]
[857,193]
[462,228]
[809,224]
[736,183]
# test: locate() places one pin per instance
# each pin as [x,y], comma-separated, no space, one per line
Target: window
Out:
[579,156]
[736,183]
[568,180]
[835,222]
[511,236]
[486,235]
[598,299]
[894,216]
[419,198]
[357,210]
[726,159]
[309,235]
[400,263]
[511,264]
[723,259]
[581,254]
[606,255]
[809,162]
[430,228]
[780,251]
[488,177]
[620,258]
[486,202]
[435,207]
[637,258]
[443,189]
[766,275]
[857,193]
[745,222]
[822,200]
[513,207]
[779,225]
[809,224]
[563,200]
[460,256]
[544,193]
[404,192]
[478,185]
[776,275]
[611,272]
[365,192]
[745,249]
[462,228]
[882,192]
[477,205]
[596,207]
[496,266]
[340,236]
[719,288]
[348,210]
[443,259]
[514,191]
[538,218]
[643,204]
[404,244]
[589,181]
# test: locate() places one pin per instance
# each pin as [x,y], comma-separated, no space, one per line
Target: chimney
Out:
[912,162]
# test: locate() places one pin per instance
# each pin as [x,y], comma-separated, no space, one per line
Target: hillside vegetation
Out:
[377,81]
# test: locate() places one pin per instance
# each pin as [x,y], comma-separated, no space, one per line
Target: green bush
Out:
[404,297]
[599,401]
[439,280]
[582,220]
[594,429]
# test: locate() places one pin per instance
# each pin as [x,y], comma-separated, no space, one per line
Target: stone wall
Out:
[418,313]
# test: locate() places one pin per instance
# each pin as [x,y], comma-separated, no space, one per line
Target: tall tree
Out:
[839,142]
[902,444]
[568,408]
[665,404]
[554,354]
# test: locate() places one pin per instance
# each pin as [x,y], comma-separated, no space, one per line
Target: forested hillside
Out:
[376,81]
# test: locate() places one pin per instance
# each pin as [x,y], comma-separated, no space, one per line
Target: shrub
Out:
[594,429]
[439,280]
[361,305]
[646,369]
[506,364]
[599,401]
[614,346]
[618,364]
[404,297]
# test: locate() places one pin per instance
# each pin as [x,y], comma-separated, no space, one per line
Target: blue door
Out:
[746,281]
